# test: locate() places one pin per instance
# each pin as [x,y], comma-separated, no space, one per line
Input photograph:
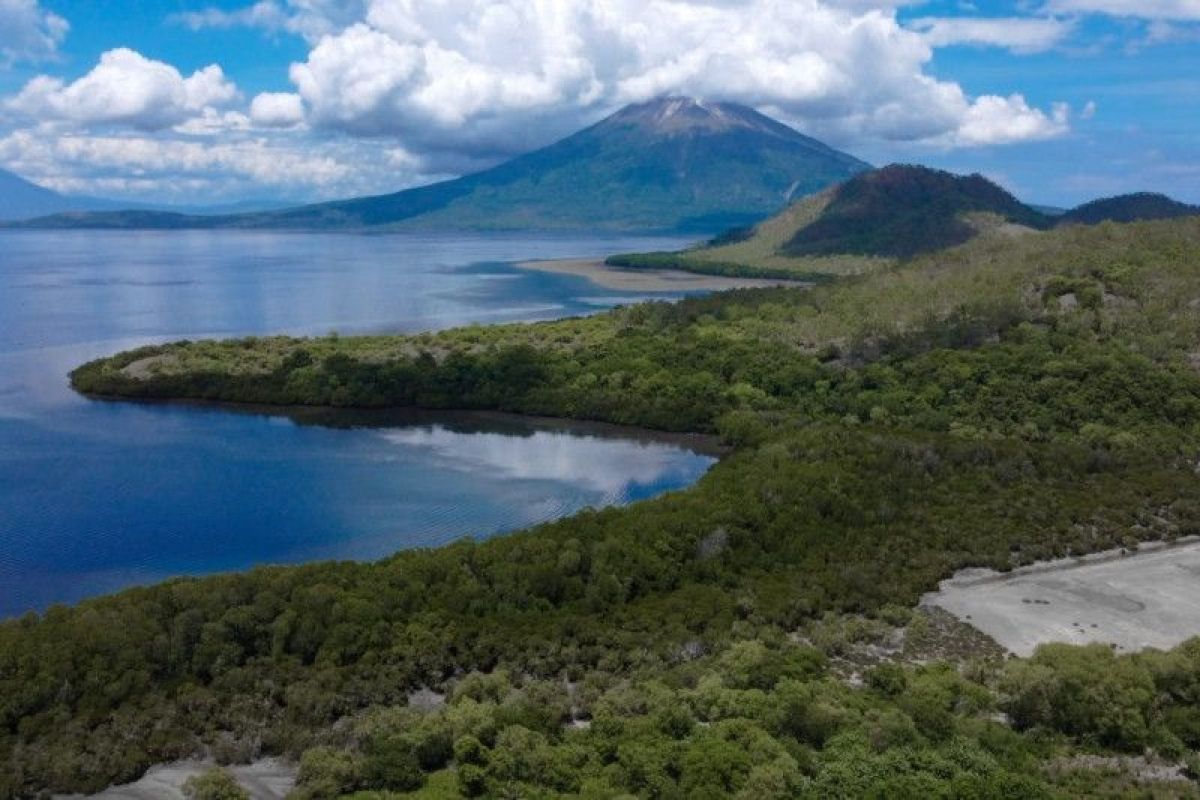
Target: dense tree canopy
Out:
[992,405]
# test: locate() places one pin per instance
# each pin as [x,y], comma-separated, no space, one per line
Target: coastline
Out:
[464,420]
[644,280]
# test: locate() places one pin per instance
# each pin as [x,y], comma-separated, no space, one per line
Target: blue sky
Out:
[219,100]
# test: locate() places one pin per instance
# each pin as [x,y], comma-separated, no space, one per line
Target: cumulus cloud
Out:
[1140,9]
[126,88]
[433,87]
[277,110]
[1019,34]
[28,32]
[186,169]
[468,75]
[1003,120]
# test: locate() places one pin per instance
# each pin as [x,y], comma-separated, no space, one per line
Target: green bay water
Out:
[96,496]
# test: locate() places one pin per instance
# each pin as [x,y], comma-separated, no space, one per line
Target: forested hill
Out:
[673,164]
[1128,208]
[865,223]
[994,404]
[901,211]
[879,217]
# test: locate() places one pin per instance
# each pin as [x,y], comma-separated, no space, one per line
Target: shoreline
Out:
[648,280]
[461,419]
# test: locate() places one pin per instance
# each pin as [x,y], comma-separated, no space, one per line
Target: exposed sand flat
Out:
[646,280]
[268,779]
[1150,598]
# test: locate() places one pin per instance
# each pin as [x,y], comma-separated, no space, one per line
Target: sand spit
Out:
[646,280]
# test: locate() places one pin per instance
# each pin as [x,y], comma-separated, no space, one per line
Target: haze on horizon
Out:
[1058,100]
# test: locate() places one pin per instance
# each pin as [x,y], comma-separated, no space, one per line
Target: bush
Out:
[216,784]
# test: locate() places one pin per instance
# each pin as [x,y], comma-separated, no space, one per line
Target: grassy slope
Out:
[863,224]
[759,255]
[1002,402]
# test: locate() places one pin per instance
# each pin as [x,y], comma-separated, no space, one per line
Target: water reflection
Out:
[97,496]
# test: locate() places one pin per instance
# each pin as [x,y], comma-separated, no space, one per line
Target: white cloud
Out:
[28,32]
[604,466]
[1140,9]
[126,88]
[189,169]
[466,76]
[277,110]
[1019,34]
[432,87]
[994,120]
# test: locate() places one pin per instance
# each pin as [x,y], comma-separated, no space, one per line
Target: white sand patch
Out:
[1147,598]
[268,779]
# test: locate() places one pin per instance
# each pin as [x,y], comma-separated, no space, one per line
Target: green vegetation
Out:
[216,784]
[902,211]
[873,219]
[1013,399]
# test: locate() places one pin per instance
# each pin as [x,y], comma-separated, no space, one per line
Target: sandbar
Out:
[649,280]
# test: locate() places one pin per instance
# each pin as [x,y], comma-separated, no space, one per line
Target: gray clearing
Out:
[1149,598]
[269,779]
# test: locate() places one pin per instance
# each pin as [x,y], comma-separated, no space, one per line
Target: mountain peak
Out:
[677,114]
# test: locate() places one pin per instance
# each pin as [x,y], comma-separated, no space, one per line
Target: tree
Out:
[216,784]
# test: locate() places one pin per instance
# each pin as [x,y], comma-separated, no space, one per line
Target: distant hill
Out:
[674,164]
[901,211]
[1128,208]
[22,199]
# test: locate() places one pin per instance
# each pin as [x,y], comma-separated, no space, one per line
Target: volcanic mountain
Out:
[672,164]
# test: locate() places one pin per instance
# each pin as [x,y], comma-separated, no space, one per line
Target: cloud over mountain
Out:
[454,85]
[443,69]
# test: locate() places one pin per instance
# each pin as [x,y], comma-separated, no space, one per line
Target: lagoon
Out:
[96,496]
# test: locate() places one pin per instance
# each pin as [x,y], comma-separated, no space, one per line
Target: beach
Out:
[647,280]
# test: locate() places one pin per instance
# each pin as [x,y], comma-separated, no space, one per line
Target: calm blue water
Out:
[95,496]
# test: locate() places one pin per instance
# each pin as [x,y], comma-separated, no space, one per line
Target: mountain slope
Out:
[669,164]
[1128,208]
[22,199]
[901,211]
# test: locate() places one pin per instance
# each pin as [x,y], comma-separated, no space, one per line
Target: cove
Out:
[96,496]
